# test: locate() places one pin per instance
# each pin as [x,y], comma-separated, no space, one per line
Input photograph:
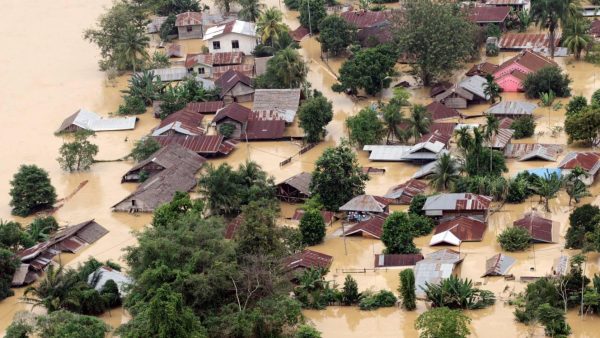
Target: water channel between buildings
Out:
[49,71]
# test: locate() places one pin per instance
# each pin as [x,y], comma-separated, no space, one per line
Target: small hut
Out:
[362,207]
[404,193]
[542,230]
[498,265]
[295,189]
[307,259]
[370,227]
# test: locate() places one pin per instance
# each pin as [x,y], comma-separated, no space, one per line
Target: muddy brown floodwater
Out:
[48,71]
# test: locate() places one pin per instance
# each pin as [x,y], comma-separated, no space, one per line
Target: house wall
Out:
[239,93]
[246,43]
[589,180]
[127,206]
[207,70]
[195,33]
[237,133]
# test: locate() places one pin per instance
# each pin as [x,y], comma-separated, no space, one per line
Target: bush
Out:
[372,301]
[493,30]
[524,126]
[41,228]
[292,4]
[312,227]
[416,205]
[545,80]
[398,234]
[422,225]
[492,49]
[576,105]
[456,293]
[350,294]
[407,289]
[133,105]
[517,191]
[595,98]
[582,221]
[31,191]
[226,129]
[143,148]
[307,331]
[514,239]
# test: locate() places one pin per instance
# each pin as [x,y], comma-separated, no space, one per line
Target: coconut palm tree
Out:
[491,129]
[576,36]
[55,291]
[289,68]
[145,85]
[392,117]
[491,89]
[131,45]
[270,25]
[445,173]
[524,20]
[418,122]
[574,186]
[251,10]
[464,139]
[547,187]
[219,187]
[549,14]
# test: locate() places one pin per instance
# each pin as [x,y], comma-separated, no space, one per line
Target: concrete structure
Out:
[189,25]
[235,36]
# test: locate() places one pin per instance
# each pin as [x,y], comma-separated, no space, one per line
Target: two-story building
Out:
[234,36]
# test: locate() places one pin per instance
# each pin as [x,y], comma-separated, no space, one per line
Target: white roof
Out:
[405,153]
[206,83]
[475,84]
[107,274]
[91,121]
[445,237]
[239,27]
[176,126]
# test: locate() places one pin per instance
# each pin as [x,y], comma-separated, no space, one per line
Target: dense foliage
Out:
[8,265]
[373,301]
[369,69]
[57,325]
[584,126]
[286,69]
[142,149]
[514,239]
[312,12]
[337,177]
[31,191]
[312,227]
[77,154]
[400,228]
[407,289]
[519,188]
[582,221]
[365,127]
[442,322]
[416,205]
[350,294]
[314,115]
[495,186]
[456,293]
[335,34]
[523,126]
[545,80]
[436,52]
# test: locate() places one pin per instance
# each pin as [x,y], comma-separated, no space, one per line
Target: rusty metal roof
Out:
[404,193]
[299,33]
[541,229]
[215,59]
[209,107]
[501,138]
[233,111]
[168,156]
[488,14]
[300,182]
[372,36]
[366,203]
[465,228]
[525,40]
[372,226]
[328,216]
[188,19]
[439,111]
[588,161]
[308,259]
[201,144]
[457,201]
[174,51]
[530,60]
[512,108]
[182,122]
[391,260]
[505,2]
[595,28]
[230,78]
[257,129]
[363,19]
[533,151]
[482,69]
[439,132]
[498,265]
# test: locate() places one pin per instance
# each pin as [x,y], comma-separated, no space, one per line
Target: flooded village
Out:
[54,89]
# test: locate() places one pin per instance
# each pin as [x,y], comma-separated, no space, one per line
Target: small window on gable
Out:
[201,70]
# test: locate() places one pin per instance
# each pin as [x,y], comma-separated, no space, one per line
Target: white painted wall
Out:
[246,43]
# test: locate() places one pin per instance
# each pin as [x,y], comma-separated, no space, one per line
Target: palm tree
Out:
[464,139]
[418,122]
[55,291]
[491,89]
[547,187]
[445,173]
[491,129]
[131,44]
[574,186]
[145,85]
[251,10]
[576,36]
[219,187]
[392,117]
[289,67]
[270,25]
[549,14]
[524,19]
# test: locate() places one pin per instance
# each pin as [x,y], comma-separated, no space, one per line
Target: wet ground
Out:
[49,72]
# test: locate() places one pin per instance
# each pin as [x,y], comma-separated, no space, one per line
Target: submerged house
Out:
[234,36]
[235,87]
[307,259]
[588,161]
[541,229]
[362,207]
[362,19]
[421,152]
[105,273]
[404,193]
[468,90]
[439,132]
[248,125]
[284,102]
[435,267]
[205,145]
[520,41]
[160,188]
[533,151]
[87,120]
[511,74]
[295,189]
[70,239]
[235,115]
[166,157]
[208,107]
[441,113]
[457,230]
[501,139]
[203,64]
[485,15]
[498,265]
[182,122]
[446,206]
[512,109]
[189,25]
[370,227]
[397,260]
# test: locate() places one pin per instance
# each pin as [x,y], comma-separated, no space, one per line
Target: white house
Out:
[234,36]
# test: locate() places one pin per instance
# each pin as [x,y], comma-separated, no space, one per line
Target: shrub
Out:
[545,80]
[307,331]
[312,227]
[350,294]
[373,301]
[493,30]
[226,129]
[422,225]
[407,289]
[576,105]
[524,126]
[517,191]
[398,234]
[456,293]
[514,239]
[491,49]
[133,105]
[142,149]
[443,322]
[596,98]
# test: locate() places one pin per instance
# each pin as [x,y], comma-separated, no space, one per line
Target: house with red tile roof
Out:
[511,74]
[189,25]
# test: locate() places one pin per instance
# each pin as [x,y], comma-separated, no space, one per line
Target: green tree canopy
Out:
[523,126]
[337,177]
[142,149]
[407,289]
[442,322]
[8,265]
[584,126]
[314,114]
[31,191]
[335,34]
[78,154]
[583,220]
[437,52]
[545,80]
[68,324]
[286,69]
[312,227]
[398,234]
[316,8]
[370,69]
[514,239]
[365,127]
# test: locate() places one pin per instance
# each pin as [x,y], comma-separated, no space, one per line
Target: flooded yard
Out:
[49,72]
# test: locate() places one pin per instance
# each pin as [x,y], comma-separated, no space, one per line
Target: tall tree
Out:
[436,52]
[370,69]
[392,117]
[576,36]
[337,177]
[131,47]
[286,69]
[445,173]
[31,191]
[398,234]
[418,122]
[251,10]
[584,126]
[574,186]
[549,14]
[312,12]
[312,227]
[314,115]
[491,89]
[492,127]
[365,127]
[407,289]
[583,220]
[78,154]
[335,34]
[270,25]
[547,187]
[8,265]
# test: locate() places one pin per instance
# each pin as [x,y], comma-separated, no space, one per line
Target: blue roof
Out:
[544,171]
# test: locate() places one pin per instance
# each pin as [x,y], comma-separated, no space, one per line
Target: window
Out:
[189,28]
[216,45]
[235,44]
[201,70]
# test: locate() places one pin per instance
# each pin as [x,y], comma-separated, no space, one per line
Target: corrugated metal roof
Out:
[444,237]
[209,107]
[482,69]
[457,201]
[182,122]
[466,229]
[372,226]
[104,273]
[476,85]
[168,156]
[170,74]
[512,108]
[425,170]
[422,151]
[439,111]
[435,267]
[308,259]
[236,27]
[283,101]
[498,265]
[483,14]
[529,60]
[501,138]
[174,51]
[505,2]
[215,59]
[404,193]
[366,203]
[259,129]
[533,151]
[261,64]
[188,19]
[328,216]
[201,144]
[588,161]
[234,111]
[155,23]
[299,33]
[372,36]
[363,19]
[439,133]
[392,260]
[89,120]
[541,229]
[230,78]
[525,40]
[300,182]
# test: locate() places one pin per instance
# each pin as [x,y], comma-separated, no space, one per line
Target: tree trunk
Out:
[547,203]
[551,39]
